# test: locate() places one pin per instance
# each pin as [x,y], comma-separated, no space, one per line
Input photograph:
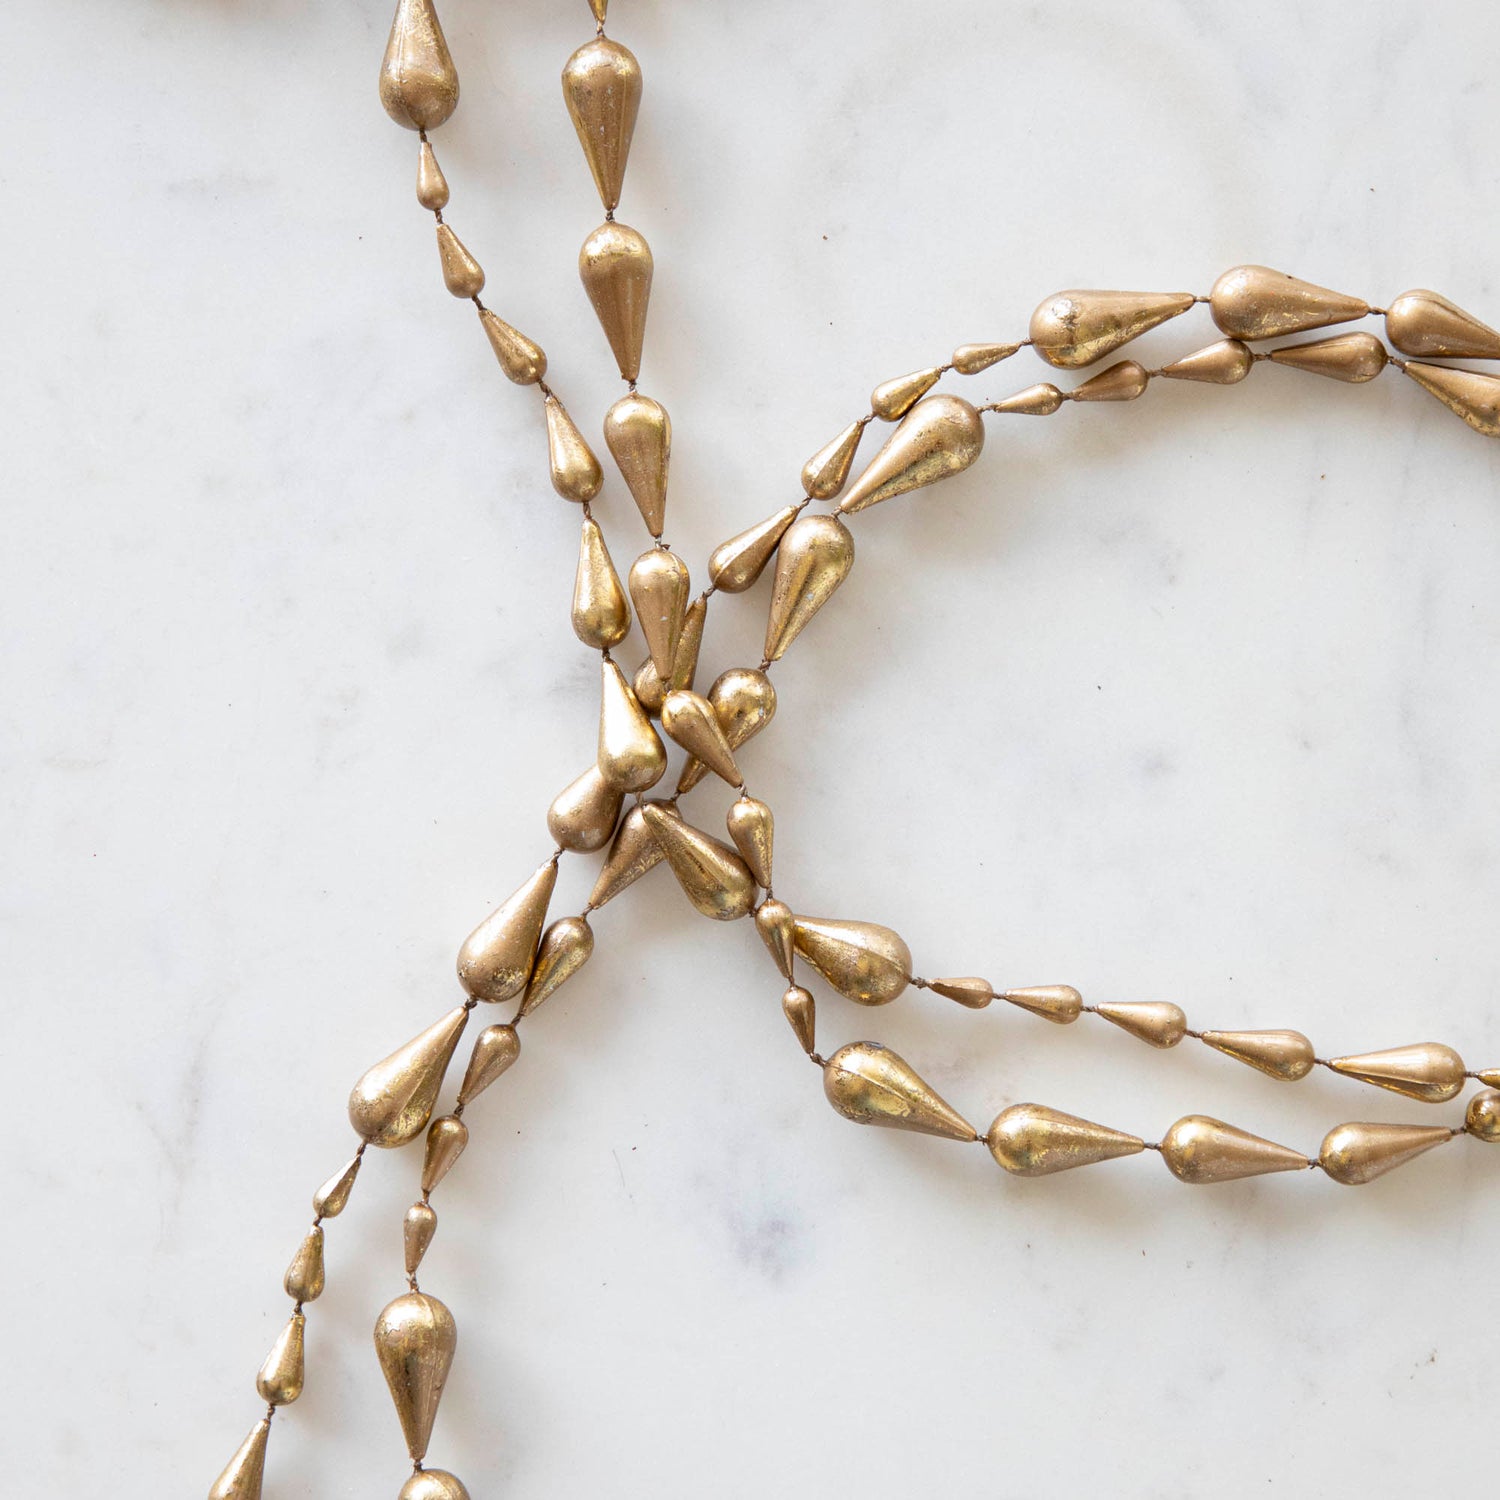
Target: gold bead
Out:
[1482,1118]
[1431,327]
[583,815]
[631,755]
[871,1085]
[1287,1055]
[1428,1071]
[602,87]
[447,1137]
[1158,1023]
[1053,1002]
[567,946]
[801,1012]
[971,992]
[737,563]
[601,612]
[826,472]
[864,961]
[939,437]
[521,360]
[616,267]
[576,474]
[1035,401]
[1489,1077]
[659,585]
[418,82]
[496,958]
[243,1475]
[279,1382]
[462,274]
[432,186]
[600,9]
[303,1281]
[813,560]
[753,831]
[1358,1153]
[633,853]
[1120,382]
[650,691]
[392,1102]
[970,359]
[715,879]
[1255,302]
[638,432]
[776,925]
[417,1230]
[1073,329]
[1351,357]
[1031,1140]
[415,1337]
[495,1049]
[439,1484]
[1224,363]
[1470,394]
[1198,1149]
[691,721]
[892,399]
[745,703]
[332,1198]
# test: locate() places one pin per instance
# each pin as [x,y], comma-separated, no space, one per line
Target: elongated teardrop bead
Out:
[1155,1022]
[939,437]
[1469,394]
[1428,1071]
[1255,302]
[814,559]
[872,1085]
[690,720]
[495,1049]
[439,1484]
[1120,382]
[777,926]
[242,1477]
[801,1012]
[737,563]
[650,691]
[567,946]
[432,186]
[630,755]
[745,702]
[600,8]
[1053,1002]
[1482,1117]
[1031,1140]
[752,828]
[602,87]
[447,1137]
[1035,401]
[332,1198]
[417,1230]
[616,268]
[303,1281]
[1287,1055]
[634,853]
[1073,329]
[1199,1149]
[418,82]
[584,814]
[495,960]
[864,961]
[462,274]
[576,474]
[974,993]
[1359,1152]
[521,360]
[892,399]
[659,585]
[1224,363]
[1351,357]
[415,1338]
[971,359]
[714,878]
[638,433]
[601,612]
[1489,1077]
[827,471]
[1428,326]
[392,1103]
[279,1382]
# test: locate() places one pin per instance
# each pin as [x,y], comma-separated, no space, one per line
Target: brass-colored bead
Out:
[813,560]
[601,612]
[1035,401]
[1073,329]
[1359,1152]
[659,585]
[616,267]
[418,82]
[432,186]
[715,879]
[439,1484]
[495,960]
[495,1049]
[332,1198]
[1287,1055]
[415,1337]
[521,360]
[392,1103]
[1482,1117]
[1224,363]
[1351,357]
[753,831]
[576,474]
[279,1382]
[244,1474]
[969,991]
[1428,1071]
[417,1230]
[871,1085]
[892,399]
[303,1281]
[1255,302]
[777,925]
[1428,326]
[1124,381]
[827,471]
[691,721]
[584,814]
[634,852]
[1158,1023]
[1053,1002]
[638,432]
[567,946]
[1470,394]
[602,86]
[650,691]
[600,8]
[462,274]
[745,702]
[938,438]
[447,1137]
[801,1012]
[737,563]
[1031,1140]
[971,359]
[631,754]
[1489,1077]
[864,961]
[1199,1149]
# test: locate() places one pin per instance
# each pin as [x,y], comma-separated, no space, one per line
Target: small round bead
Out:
[1482,1118]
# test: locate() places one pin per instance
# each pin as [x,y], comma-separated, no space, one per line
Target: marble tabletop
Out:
[1191,699]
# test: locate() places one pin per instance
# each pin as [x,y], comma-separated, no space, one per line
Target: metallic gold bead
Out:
[970,359]
[496,958]
[1358,1152]
[1224,363]
[715,879]
[892,399]
[1255,302]
[1120,382]
[1053,1002]
[521,360]
[650,691]
[602,86]
[630,755]
[1031,1140]
[737,563]
[1428,1071]
[495,1049]
[415,1337]
[1158,1023]
[417,1230]
[1198,1149]
[439,1484]
[660,586]
[1287,1055]
[1482,1118]
[638,432]
[939,437]
[634,852]
[601,612]
[432,186]
[1470,394]
[462,274]
[447,1137]
[812,562]
[826,472]
[392,1103]
[584,814]
[690,720]
[745,702]
[1351,357]
[576,474]
[1428,326]
[801,1012]
[242,1477]
[1489,1077]
[971,992]
[1073,329]
[776,924]
[616,268]
[279,1382]
[418,82]
[332,1198]
[567,946]
[1035,401]
[871,1085]
[303,1281]
[864,961]
[600,9]
[752,828]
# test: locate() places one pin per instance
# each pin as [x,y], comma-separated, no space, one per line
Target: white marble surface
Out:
[1194,699]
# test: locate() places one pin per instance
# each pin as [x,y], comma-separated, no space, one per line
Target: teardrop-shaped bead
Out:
[1431,327]
[659,585]
[332,1198]
[716,880]
[447,1137]
[1255,302]
[279,1382]
[439,1484]
[432,186]
[303,1281]
[462,274]
[566,947]
[522,361]
[892,399]
[1035,401]
[753,831]
[813,560]
[602,87]
[495,961]
[576,474]
[940,437]
[1351,357]
[827,471]
[1158,1023]
[969,991]
[417,1230]
[634,852]
[1359,1152]
[777,926]
[616,267]
[1428,1071]
[418,82]
[638,432]
[1287,1055]
[801,1012]
[1198,1149]
[1470,394]
[600,9]
[1120,382]
[1031,1140]
[601,612]
[650,691]
[583,815]
[1053,1002]
[415,1337]
[393,1102]
[1224,363]
[691,721]
[1489,1077]
[864,961]
[1482,1117]
[871,1085]
[1074,328]
[745,702]
[971,359]
[737,563]
[495,1049]
[244,1474]
[631,755]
